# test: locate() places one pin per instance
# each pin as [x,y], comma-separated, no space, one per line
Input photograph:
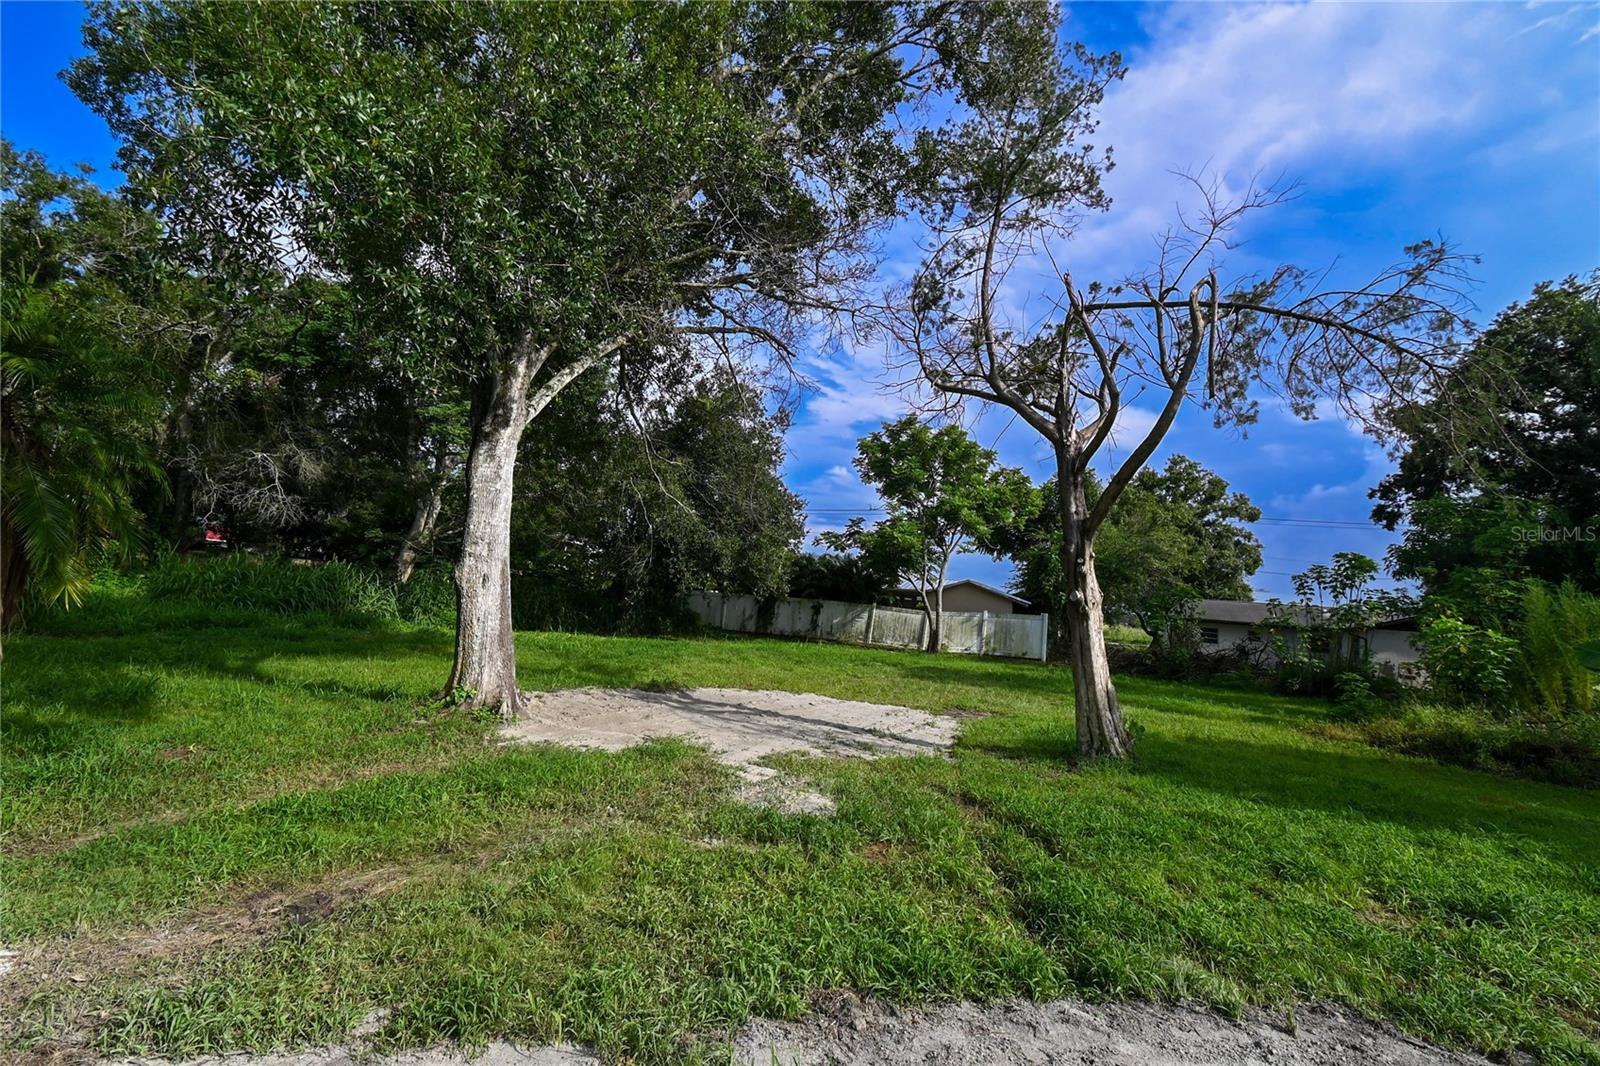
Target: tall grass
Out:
[247,582]
[1556,620]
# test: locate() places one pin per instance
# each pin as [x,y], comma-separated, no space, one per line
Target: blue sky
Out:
[1477,121]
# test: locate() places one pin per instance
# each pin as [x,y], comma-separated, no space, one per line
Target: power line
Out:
[1324,523]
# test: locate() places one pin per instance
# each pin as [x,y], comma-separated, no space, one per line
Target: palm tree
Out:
[74,417]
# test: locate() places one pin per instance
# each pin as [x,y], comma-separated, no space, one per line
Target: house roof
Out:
[908,590]
[1245,612]
[1249,612]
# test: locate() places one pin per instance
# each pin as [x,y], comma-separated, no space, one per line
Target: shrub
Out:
[1468,662]
[1556,623]
[1566,753]
[429,597]
[1353,695]
[248,582]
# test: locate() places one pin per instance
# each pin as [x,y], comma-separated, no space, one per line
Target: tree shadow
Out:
[1377,786]
[61,689]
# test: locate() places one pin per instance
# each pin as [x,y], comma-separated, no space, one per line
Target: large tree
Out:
[1516,494]
[527,191]
[1018,174]
[944,493]
[623,509]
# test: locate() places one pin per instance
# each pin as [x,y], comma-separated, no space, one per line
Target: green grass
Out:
[256,832]
[1131,635]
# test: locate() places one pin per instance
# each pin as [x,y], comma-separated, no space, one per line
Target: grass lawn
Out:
[254,833]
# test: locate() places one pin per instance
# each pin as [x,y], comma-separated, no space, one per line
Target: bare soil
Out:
[740,727]
[852,1032]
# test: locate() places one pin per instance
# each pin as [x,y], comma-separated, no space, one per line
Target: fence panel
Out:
[896,627]
[962,632]
[1014,636]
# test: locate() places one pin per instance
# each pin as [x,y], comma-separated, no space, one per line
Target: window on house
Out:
[1252,634]
[1208,635]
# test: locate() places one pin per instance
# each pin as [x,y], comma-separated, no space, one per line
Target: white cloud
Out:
[1340,96]
[1317,92]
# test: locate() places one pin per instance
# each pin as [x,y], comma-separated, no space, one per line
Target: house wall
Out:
[971,598]
[1395,644]
[1393,651]
[1228,635]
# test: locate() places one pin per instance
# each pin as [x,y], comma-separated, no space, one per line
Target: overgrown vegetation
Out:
[234,829]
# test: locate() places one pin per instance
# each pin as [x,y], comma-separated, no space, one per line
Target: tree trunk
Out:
[485,670]
[423,517]
[936,617]
[1101,731]
[13,576]
[935,606]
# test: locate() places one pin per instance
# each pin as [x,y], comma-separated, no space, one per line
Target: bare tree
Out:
[1175,331]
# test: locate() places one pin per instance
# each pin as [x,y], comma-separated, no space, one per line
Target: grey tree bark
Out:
[424,516]
[1101,731]
[503,403]
[485,669]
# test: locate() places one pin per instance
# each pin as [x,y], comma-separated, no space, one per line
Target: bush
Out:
[1353,695]
[543,601]
[1556,623]
[247,582]
[1468,662]
[429,597]
[1563,753]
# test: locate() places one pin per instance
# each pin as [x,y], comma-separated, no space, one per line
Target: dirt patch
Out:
[846,1031]
[68,961]
[741,728]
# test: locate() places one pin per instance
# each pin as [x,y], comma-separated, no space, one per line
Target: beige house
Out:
[1226,624]
[969,595]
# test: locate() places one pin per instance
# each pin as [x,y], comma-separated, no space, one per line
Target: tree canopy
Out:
[1515,494]
[943,493]
[516,194]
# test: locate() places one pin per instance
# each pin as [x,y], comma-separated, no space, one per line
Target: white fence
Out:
[1013,636]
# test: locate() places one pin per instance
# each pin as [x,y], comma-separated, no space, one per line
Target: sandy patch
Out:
[740,728]
[856,1033]
[1064,1032]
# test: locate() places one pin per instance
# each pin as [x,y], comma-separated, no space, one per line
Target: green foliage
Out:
[1566,753]
[943,493]
[76,441]
[1323,634]
[1515,494]
[622,511]
[1589,655]
[429,597]
[1352,695]
[246,582]
[1556,623]
[1536,671]
[1174,536]
[847,578]
[1468,662]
